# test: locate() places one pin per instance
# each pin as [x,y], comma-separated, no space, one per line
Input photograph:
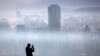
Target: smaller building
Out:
[86,28]
[21,27]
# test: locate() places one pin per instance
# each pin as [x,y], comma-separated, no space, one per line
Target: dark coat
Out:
[29,51]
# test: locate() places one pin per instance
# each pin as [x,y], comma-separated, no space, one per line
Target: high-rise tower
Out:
[54,15]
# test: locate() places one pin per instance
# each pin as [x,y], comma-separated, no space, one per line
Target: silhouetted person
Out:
[29,50]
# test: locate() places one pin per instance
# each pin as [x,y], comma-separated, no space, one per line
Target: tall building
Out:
[54,15]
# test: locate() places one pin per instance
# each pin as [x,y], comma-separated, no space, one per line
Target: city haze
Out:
[54,27]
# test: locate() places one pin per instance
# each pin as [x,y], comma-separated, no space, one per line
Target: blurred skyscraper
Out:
[54,15]
[18,14]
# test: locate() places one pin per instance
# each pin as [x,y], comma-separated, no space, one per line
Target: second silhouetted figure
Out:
[29,50]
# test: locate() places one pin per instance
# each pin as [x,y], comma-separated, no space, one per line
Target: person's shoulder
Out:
[26,47]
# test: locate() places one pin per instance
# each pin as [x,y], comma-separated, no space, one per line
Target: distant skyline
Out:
[36,11]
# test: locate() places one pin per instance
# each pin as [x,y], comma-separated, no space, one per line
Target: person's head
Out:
[28,45]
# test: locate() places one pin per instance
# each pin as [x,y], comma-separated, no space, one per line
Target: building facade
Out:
[54,17]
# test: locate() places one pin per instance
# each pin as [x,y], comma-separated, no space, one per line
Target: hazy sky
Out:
[46,3]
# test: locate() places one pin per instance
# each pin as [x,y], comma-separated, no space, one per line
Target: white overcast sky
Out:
[46,3]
